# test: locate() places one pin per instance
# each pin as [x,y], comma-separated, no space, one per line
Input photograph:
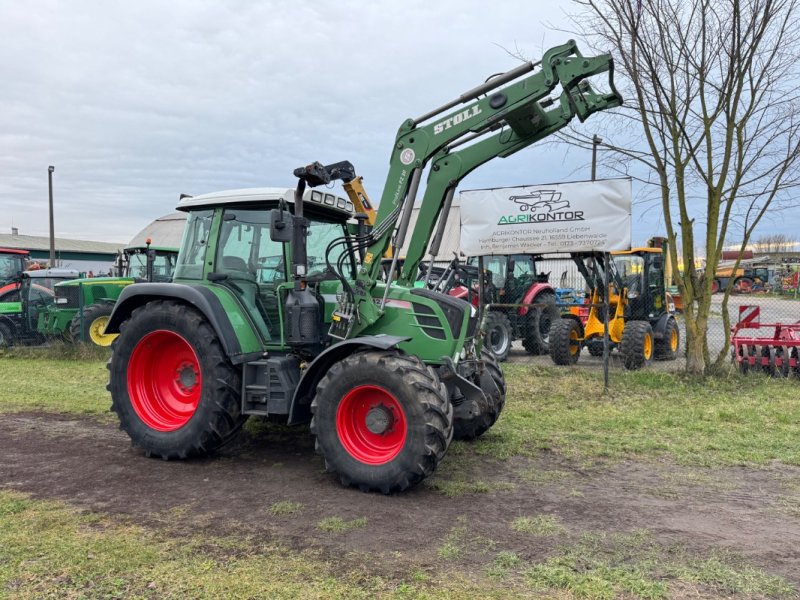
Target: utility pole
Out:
[596,141]
[50,170]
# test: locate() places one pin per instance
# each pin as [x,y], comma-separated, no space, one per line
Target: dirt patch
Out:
[271,486]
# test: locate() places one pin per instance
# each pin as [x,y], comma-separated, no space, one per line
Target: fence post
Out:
[606,341]
[80,311]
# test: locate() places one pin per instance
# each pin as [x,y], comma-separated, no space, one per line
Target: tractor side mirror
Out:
[281,225]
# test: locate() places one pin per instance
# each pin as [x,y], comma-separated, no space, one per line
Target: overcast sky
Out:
[137,102]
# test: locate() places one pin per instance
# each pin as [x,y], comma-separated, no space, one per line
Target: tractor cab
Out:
[641,272]
[230,241]
[512,275]
[147,263]
[12,264]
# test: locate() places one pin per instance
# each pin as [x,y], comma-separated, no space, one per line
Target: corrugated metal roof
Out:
[164,232]
[41,242]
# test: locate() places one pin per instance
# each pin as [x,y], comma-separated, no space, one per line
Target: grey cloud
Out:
[136,102]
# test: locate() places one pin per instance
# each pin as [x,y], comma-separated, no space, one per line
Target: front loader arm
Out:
[516,106]
[450,167]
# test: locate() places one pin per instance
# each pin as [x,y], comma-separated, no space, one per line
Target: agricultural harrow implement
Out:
[774,349]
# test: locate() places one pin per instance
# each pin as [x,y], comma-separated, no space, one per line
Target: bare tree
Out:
[711,88]
[775,243]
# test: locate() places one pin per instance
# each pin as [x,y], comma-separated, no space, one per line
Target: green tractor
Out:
[23,299]
[82,306]
[280,307]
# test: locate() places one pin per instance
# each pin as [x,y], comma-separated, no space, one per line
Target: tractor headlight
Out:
[61,300]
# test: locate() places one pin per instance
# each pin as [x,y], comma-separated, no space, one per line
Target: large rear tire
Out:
[565,342]
[539,320]
[95,319]
[667,347]
[473,428]
[382,420]
[636,345]
[499,334]
[172,387]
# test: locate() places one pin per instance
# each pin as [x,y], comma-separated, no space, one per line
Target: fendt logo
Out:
[541,206]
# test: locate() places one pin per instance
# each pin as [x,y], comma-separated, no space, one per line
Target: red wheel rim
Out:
[164,380]
[371,424]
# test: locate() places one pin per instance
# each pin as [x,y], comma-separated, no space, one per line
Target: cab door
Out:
[252,267]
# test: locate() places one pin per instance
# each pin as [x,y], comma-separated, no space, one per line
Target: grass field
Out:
[49,549]
[735,420]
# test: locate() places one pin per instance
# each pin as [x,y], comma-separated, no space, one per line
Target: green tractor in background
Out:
[22,301]
[82,307]
[280,307]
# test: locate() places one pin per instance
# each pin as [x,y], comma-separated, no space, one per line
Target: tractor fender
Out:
[577,319]
[300,409]
[531,295]
[660,326]
[138,294]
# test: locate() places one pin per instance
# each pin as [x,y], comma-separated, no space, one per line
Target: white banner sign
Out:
[564,217]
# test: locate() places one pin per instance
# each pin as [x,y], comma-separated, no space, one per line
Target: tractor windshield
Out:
[631,269]
[512,275]
[193,246]
[320,234]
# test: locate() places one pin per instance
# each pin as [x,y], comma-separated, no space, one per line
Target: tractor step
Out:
[268,385]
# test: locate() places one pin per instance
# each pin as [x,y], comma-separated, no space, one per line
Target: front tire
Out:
[495,390]
[565,341]
[172,387]
[667,347]
[382,420]
[636,345]
[95,319]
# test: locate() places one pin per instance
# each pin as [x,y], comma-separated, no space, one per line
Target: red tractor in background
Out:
[520,301]
[12,264]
